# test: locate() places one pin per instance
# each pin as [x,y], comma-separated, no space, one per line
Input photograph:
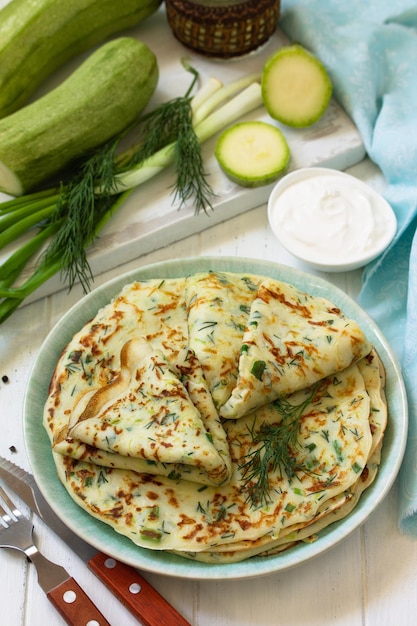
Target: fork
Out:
[73,604]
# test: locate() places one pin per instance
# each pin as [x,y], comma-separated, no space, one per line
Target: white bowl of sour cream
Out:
[329,219]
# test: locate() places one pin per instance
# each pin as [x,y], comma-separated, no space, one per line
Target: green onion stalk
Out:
[60,223]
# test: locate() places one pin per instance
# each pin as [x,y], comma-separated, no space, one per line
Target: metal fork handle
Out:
[64,592]
[49,574]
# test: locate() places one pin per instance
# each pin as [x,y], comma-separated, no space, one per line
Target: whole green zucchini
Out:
[38,36]
[99,100]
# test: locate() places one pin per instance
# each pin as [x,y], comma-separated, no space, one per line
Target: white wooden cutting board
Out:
[149,219]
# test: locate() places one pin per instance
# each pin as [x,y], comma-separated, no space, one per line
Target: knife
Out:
[125,582]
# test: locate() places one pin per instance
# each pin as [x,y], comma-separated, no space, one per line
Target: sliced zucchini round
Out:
[252,153]
[296,88]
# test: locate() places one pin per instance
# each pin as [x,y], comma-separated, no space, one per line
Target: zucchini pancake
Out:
[218,415]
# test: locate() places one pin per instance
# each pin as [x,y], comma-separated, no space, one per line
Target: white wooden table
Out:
[369,579]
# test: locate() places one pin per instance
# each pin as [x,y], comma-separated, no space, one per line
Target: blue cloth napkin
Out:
[370,51]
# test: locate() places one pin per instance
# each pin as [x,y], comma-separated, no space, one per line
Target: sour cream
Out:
[330,219]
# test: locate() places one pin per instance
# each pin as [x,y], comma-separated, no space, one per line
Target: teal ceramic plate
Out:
[105,538]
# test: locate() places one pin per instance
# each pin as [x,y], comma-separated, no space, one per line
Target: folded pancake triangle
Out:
[147,414]
[218,306]
[292,340]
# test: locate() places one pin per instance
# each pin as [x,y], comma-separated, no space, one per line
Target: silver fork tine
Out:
[21,537]
[16,532]
[5,516]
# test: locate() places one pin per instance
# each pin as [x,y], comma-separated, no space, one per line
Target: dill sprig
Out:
[276,445]
[172,123]
[158,129]
[78,210]
[191,178]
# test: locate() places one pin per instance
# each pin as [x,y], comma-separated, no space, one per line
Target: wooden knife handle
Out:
[74,605]
[137,595]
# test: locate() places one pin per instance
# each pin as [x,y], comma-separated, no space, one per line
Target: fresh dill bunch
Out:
[172,123]
[82,206]
[81,209]
[275,450]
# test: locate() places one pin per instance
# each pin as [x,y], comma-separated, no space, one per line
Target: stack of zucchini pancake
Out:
[218,415]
